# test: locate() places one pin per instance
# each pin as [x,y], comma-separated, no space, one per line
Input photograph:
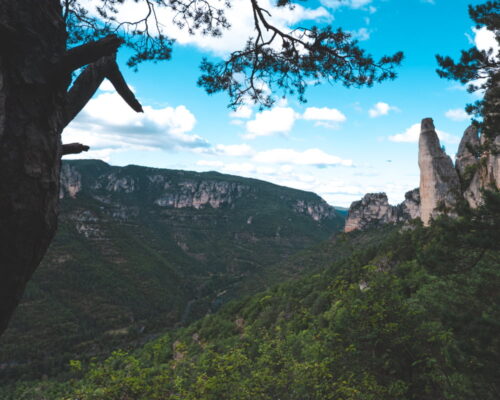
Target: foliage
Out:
[415,316]
[479,69]
[122,270]
[272,59]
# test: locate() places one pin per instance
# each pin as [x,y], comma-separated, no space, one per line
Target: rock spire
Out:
[439,183]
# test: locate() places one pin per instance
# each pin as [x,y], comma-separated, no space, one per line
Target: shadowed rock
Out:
[410,208]
[465,159]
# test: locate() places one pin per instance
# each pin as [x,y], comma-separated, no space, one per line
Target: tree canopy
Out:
[479,69]
[273,58]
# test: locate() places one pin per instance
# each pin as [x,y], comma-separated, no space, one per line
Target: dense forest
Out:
[399,313]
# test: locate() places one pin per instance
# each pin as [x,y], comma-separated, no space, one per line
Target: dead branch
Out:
[74,148]
[89,81]
[88,53]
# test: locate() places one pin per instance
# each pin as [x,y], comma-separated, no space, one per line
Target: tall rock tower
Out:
[439,182]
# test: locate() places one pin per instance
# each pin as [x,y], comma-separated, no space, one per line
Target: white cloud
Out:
[380,109]
[269,122]
[323,114]
[281,119]
[361,34]
[107,123]
[485,40]
[240,16]
[412,134]
[433,2]
[234,150]
[210,163]
[243,111]
[104,155]
[238,168]
[312,157]
[457,114]
[345,3]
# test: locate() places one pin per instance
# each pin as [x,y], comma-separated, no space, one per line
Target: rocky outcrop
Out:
[70,181]
[439,182]
[197,195]
[442,185]
[374,209]
[410,208]
[318,211]
[484,174]
[466,159]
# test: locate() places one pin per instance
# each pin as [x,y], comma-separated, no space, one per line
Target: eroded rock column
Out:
[439,182]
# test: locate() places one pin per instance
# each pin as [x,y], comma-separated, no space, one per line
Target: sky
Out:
[341,144]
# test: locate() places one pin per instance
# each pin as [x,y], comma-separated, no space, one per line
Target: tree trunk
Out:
[32,39]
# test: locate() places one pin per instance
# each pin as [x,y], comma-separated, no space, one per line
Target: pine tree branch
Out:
[89,81]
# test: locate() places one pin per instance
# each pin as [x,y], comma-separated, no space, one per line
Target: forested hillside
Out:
[140,250]
[404,313]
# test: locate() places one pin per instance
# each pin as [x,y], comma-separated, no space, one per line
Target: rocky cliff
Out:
[182,189]
[442,185]
[374,209]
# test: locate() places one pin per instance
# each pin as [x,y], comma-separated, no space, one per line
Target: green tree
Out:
[480,70]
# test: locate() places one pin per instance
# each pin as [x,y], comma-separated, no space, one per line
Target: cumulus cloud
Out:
[457,114]
[312,157]
[380,109]
[361,34]
[412,134]
[269,122]
[281,119]
[243,111]
[107,123]
[323,114]
[345,3]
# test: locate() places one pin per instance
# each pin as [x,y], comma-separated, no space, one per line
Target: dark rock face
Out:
[410,208]
[439,182]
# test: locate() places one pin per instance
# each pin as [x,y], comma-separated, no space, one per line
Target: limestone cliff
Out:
[374,209]
[439,182]
[118,188]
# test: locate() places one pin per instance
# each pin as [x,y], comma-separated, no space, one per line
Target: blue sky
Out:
[341,144]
